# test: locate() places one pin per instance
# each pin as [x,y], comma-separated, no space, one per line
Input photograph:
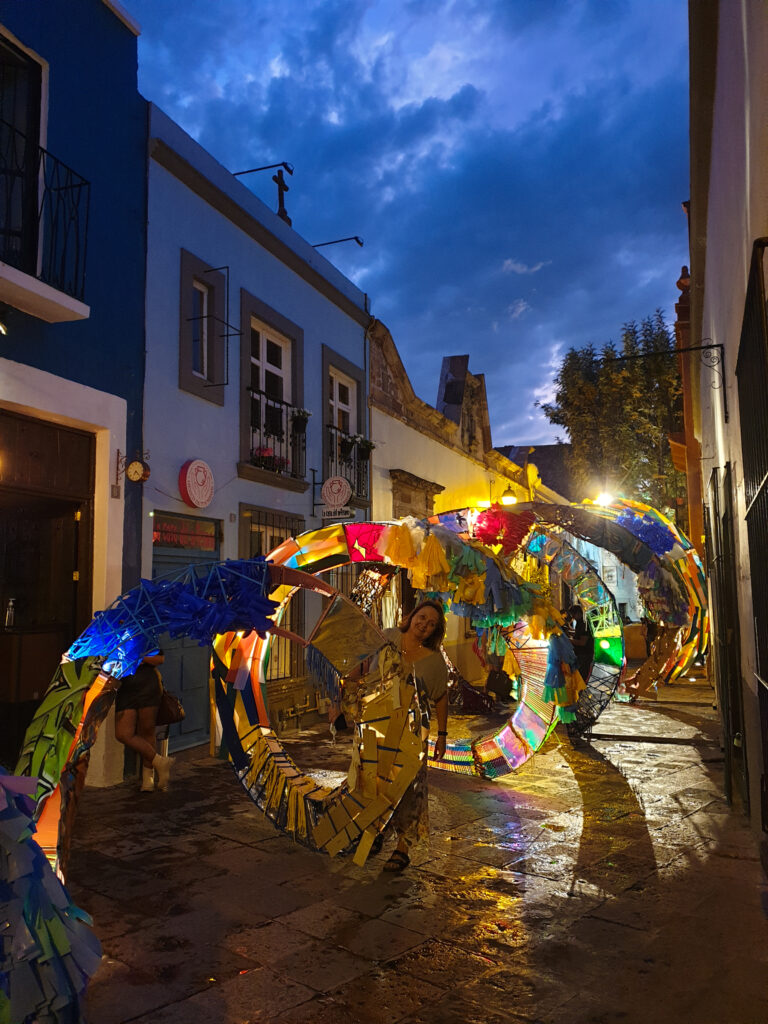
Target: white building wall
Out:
[737,215]
[467,482]
[400,446]
[179,426]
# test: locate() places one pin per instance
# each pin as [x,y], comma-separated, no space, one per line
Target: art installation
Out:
[466,558]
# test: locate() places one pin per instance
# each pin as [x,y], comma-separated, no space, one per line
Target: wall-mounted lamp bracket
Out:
[349,238]
[230,332]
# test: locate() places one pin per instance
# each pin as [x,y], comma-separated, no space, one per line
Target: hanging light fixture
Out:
[508,497]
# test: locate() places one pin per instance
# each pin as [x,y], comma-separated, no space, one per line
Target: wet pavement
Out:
[603,883]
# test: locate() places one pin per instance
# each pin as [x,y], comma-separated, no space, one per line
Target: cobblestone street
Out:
[604,883]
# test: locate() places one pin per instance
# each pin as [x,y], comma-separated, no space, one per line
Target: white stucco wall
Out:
[466,481]
[737,215]
[179,426]
[399,446]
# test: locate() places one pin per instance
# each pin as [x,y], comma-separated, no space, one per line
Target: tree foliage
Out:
[619,412]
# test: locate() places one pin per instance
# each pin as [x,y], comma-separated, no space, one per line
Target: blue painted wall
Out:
[97,124]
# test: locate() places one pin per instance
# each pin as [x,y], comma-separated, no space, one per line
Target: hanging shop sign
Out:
[344,512]
[196,483]
[336,492]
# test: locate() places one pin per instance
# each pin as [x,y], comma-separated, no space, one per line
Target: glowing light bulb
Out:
[604,499]
[508,498]
[605,644]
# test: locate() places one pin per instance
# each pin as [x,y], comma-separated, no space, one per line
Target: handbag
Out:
[170,709]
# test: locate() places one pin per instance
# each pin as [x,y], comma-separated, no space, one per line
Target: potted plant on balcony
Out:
[266,458]
[364,448]
[347,444]
[299,421]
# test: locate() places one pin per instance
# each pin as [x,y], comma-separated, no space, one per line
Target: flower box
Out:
[267,458]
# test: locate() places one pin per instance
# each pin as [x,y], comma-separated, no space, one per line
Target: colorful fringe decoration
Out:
[499,525]
[323,672]
[399,549]
[274,783]
[431,569]
[47,949]
[561,653]
[511,666]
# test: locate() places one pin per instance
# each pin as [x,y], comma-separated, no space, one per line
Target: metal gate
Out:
[721,563]
[752,374]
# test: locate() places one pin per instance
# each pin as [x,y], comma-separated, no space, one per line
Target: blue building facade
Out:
[73,193]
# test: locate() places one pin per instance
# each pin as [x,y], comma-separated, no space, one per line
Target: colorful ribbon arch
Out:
[443,556]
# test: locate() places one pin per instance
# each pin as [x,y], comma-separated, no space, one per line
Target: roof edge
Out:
[120,12]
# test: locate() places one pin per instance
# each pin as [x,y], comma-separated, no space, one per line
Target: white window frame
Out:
[202,326]
[336,406]
[268,334]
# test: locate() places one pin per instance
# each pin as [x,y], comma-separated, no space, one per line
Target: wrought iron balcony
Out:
[43,214]
[350,459]
[278,436]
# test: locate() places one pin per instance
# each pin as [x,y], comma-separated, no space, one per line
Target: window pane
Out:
[255,414]
[199,327]
[198,301]
[255,345]
[343,394]
[274,354]
[257,541]
[273,421]
[255,377]
[343,421]
[197,347]
[273,385]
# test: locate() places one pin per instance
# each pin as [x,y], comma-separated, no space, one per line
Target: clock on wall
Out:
[136,471]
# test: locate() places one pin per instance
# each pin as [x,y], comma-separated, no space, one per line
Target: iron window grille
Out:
[350,460]
[267,530]
[278,436]
[43,214]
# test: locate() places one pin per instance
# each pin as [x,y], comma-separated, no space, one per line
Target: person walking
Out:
[136,721]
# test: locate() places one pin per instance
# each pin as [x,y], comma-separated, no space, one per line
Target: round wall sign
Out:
[336,491]
[196,483]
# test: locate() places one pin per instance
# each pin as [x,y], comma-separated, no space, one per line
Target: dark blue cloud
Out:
[516,169]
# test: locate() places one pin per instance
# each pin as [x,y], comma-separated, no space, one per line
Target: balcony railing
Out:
[43,214]
[278,436]
[348,458]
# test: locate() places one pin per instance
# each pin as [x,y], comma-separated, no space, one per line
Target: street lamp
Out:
[508,498]
[349,238]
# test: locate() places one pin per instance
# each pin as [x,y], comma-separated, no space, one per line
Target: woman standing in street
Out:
[418,640]
[136,720]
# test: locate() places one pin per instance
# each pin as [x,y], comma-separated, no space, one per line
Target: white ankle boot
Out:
[147,780]
[162,766]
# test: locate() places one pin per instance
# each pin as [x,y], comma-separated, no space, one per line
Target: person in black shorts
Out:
[136,720]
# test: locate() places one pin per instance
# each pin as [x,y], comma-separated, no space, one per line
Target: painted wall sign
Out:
[182,532]
[336,491]
[344,512]
[196,483]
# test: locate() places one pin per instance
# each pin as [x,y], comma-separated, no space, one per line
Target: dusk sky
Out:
[515,167]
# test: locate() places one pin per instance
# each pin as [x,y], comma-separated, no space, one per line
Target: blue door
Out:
[179,541]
